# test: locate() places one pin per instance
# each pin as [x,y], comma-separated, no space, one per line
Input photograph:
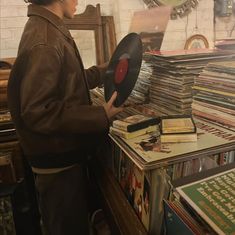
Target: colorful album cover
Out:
[174,224]
[212,198]
[146,202]
[125,174]
[136,188]
[151,25]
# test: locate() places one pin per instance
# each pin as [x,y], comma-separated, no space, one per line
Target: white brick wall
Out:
[123,10]
[13,18]
[12,21]
[225,27]
[182,28]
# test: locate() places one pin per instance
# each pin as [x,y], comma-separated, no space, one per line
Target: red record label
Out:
[121,70]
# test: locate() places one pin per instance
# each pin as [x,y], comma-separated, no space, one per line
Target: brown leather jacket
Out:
[48,91]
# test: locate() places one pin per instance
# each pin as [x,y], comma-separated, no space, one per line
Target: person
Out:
[48,95]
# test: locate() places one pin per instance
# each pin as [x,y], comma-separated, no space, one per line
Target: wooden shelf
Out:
[121,216]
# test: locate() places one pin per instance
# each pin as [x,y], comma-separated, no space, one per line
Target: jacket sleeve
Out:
[95,76]
[43,111]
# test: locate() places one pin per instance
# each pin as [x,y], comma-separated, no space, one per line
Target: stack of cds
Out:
[173,77]
[214,93]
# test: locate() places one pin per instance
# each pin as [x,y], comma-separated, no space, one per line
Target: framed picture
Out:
[197,41]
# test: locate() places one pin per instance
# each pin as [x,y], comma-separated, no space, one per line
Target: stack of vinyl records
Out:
[214,93]
[173,77]
[97,96]
[138,96]
[225,44]
[140,93]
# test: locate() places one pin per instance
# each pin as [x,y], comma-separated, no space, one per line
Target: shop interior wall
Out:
[199,21]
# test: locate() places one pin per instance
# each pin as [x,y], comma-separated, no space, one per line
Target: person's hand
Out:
[110,109]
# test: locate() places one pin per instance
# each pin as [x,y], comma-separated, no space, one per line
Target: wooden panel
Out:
[5,69]
[116,204]
[109,36]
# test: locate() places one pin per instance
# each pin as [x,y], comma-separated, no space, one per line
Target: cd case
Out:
[179,124]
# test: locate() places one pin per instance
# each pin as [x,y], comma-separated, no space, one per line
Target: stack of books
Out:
[176,129]
[133,126]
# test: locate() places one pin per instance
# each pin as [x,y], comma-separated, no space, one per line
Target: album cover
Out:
[151,25]
[174,223]
[212,199]
[227,158]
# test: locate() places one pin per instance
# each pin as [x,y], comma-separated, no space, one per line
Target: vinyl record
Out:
[123,69]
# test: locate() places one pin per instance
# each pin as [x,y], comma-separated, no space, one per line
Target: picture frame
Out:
[90,20]
[196,41]
[102,27]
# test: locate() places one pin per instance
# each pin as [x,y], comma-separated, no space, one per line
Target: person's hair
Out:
[41,2]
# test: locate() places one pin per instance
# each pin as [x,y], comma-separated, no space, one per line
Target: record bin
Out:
[145,174]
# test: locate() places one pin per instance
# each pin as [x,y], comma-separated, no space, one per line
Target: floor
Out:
[99,225]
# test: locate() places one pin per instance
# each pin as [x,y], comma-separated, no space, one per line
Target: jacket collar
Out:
[35,10]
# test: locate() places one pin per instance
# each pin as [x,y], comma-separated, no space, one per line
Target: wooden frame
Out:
[90,20]
[201,40]
[109,36]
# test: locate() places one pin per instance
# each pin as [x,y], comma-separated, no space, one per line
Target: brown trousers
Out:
[62,202]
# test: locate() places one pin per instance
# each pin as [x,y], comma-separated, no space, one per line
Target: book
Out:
[135,122]
[212,199]
[177,124]
[177,129]
[130,135]
[179,138]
